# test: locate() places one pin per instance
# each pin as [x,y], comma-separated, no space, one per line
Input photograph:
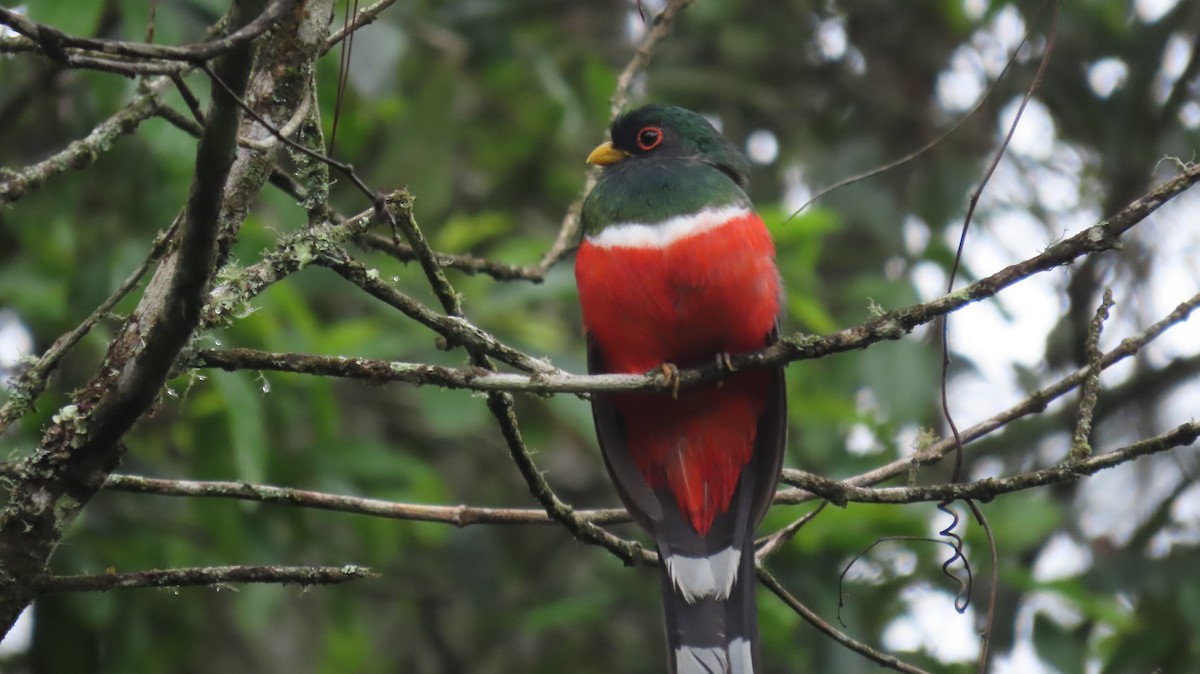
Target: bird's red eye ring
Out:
[649,138]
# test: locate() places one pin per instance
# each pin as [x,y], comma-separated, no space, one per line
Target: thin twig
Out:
[568,231]
[454,330]
[468,264]
[884,168]
[32,381]
[366,16]
[1034,403]
[458,516]
[840,493]
[771,544]
[879,658]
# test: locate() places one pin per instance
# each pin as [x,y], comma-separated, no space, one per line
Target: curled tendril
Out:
[962,600]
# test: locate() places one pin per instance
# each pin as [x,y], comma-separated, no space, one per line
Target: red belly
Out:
[714,292]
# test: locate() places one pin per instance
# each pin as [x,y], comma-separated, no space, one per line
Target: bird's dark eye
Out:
[649,138]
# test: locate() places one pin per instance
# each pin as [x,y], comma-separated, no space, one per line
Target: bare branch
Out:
[206,575]
[236,288]
[55,43]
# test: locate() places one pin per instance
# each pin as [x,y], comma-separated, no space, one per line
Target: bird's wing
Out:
[635,493]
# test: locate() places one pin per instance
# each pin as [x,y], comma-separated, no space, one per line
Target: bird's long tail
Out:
[711,613]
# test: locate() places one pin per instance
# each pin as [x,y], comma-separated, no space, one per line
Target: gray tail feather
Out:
[714,636]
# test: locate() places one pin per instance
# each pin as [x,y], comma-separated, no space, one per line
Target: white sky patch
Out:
[1150,11]
[961,84]
[16,342]
[906,439]
[1174,277]
[861,441]
[1176,54]
[975,9]
[1062,557]
[1140,489]
[855,61]
[981,330]
[1022,659]
[988,466]
[5,31]
[915,234]
[762,147]
[1106,75]
[1186,509]
[1189,115]
[929,279]
[716,121]
[831,38]
[796,190]
[635,27]
[1057,191]
[1008,27]
[1035,135]
[18,638]
[931,624]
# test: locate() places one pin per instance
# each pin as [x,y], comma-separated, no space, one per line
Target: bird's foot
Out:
[724,363]
[670,375]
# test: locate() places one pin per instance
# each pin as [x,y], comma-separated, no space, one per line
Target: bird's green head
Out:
[663,134]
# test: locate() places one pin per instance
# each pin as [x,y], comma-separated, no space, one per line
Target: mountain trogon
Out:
[676,270]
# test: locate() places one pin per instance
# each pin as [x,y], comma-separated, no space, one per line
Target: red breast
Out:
[651,297]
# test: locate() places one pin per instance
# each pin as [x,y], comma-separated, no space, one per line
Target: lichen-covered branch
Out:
[82,445]
[841,493]
[458,515]
[218,576]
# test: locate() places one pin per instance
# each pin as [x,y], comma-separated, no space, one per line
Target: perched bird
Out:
[676,270]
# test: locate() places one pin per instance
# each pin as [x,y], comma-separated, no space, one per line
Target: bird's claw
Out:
[670,375]
[725,362]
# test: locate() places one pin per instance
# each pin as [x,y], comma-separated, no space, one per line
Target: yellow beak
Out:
[605,154]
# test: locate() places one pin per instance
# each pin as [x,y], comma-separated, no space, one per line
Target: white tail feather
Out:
[735,659]
[702,577]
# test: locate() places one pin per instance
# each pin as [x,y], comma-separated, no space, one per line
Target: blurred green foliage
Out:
[485,112]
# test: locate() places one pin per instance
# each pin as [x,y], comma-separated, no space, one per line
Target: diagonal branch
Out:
[1032,404]
[81,153]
